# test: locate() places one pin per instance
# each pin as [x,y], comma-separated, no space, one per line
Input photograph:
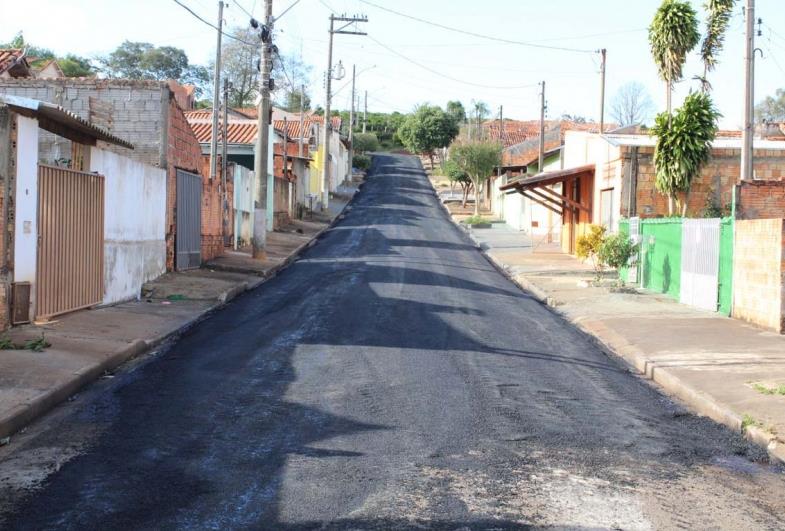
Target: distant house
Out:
[149,115]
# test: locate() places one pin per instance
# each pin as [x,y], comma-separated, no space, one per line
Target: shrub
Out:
[363,142]
[361,162]
[616,250]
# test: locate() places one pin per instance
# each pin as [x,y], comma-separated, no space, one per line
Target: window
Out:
[606,209]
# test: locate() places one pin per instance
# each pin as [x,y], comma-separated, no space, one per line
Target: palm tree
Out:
[716,25]
[481,110]
[672,34]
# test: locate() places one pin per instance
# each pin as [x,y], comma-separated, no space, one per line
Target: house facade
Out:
[148,114]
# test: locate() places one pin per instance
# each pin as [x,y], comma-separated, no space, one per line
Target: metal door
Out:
[70,269]
[700,262]
[188,239]
[635,238]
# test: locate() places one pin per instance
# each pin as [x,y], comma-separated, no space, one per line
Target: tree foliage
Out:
[672,34]
[478,160]
[142,60]
[772,108]
[75,66]
[363,142]
[71,65]
[719,15]
[427,129]
[631,104]
[456,111]
[683,145]
[588,245]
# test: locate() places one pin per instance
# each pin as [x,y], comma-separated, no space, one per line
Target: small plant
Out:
[616,250]
[361,162]
[6,343]
[475,220]
[769,390]
[587,247]
[748,421]
[38,344]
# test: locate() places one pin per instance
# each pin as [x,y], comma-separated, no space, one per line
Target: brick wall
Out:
[760,199]
[759,272]
[212,206]
[713,186]
[7,178]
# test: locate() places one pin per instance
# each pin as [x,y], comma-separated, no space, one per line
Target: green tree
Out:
[772,108]
[480,112]
[458,175]
[478,160]
[363,142]
[456,111]
[672,34]
[719,15]
[296,101]
[427,129]
[71,65]
[75,66]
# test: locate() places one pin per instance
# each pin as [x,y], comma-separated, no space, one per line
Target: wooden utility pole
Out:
[749,92]
[216,94]
[351,123]
[541,159]
[328,96]
[602,91]
[261,161]
[365,112]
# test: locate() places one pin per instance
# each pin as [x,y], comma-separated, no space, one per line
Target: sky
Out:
[403,62]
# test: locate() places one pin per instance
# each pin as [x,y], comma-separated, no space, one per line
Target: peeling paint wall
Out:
[134,224]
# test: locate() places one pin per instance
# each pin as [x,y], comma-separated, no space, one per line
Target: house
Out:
[147,114]
[339,153]
[610,176]
[14,63]
[80,233]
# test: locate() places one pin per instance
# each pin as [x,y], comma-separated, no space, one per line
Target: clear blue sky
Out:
[90,27]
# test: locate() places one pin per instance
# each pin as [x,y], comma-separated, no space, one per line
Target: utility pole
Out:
[259,240]
[285,147]
[749,92]
[501,139]
[541,160]
[302,120]
[327,119]
[216,93]
[365,112]
[602,91]
[224,162]
[351,124]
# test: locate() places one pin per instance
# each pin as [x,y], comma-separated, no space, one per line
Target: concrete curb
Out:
[614,345]
[23,415]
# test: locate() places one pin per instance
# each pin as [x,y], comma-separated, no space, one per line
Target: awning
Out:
[536,188]
[57,120]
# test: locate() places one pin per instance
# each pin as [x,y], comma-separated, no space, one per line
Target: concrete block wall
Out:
[759,273]
[760,199]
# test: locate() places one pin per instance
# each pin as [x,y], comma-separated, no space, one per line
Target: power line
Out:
[238,4]
[478,35]
[212,25]
[445,76]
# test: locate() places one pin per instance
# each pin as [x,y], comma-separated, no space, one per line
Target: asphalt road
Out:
[391,378]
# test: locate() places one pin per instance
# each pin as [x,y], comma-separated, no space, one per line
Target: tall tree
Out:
[427,129]
[142,60]
[478,160]
[772,108]
[75,66]
[456,111]
[631,104]
[480,112]
[672,34]
[719,14]
[295,101]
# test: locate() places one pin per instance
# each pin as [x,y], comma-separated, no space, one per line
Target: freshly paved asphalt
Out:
[391,378]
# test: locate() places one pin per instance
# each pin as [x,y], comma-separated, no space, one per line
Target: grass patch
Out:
[764,390]
[474,220]
[37,344]
[748,421]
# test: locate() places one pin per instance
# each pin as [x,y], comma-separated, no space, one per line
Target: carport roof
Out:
[57,120]
[548,177]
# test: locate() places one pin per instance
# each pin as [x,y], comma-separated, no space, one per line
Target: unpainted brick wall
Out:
[760,200]
[713,186]
[759,272]
[212,209]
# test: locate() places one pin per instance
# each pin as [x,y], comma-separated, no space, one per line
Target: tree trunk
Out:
[686,203]
[668,94]
[430,156]
[670,205]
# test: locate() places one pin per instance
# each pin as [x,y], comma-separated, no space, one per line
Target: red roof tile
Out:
[236,132]
[13,57]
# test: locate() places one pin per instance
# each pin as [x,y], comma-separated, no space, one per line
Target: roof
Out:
[336,120]
[237,131]
[11,58]
[293,128]
[719,143]
[548,177]
[55,119]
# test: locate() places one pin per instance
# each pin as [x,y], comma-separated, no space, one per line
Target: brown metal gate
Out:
[70,270]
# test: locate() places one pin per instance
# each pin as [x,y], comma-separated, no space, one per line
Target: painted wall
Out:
[243,205]
[26,220]
[134,223]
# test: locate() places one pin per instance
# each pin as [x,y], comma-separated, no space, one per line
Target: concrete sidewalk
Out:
[88,344]
[720,367]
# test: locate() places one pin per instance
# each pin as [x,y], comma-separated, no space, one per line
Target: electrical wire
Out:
[478,35]
[212,25]
[238,4]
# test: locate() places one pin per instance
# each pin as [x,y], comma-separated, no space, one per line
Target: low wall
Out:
[760,200]
[759,273]
[134,223]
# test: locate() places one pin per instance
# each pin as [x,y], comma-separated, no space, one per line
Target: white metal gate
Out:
[700,262]
[635,238]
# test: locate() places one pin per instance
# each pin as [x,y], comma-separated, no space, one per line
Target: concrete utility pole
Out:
[285,146]
[351,123]
[327,119]
[216,94]
[302,120]
[602,91]
[225,163]
[541,159]
[259,240]
[365,112]
[749,92]
[501,139]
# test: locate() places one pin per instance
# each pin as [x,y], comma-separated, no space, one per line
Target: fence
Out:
[663,249]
